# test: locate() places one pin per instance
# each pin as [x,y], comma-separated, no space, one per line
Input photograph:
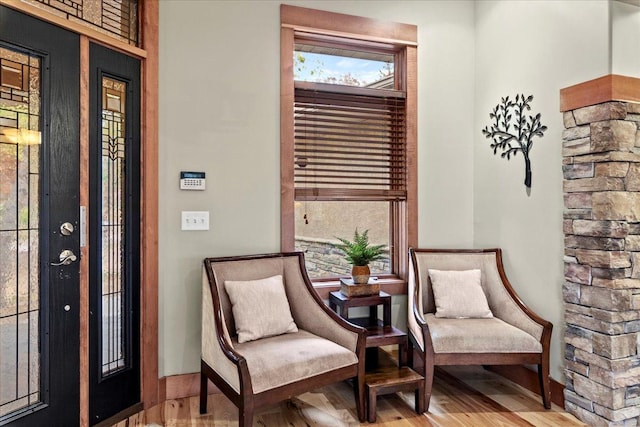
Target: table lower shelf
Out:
[391,377]
[380,334]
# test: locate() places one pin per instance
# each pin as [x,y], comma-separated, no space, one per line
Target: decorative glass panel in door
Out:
[19,230]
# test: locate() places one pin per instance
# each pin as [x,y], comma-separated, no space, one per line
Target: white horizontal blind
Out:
[349,143]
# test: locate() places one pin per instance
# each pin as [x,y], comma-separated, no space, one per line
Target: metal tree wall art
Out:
[513,130]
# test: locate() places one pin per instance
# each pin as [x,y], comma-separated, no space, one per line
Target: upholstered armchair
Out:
[267,336]
[459,327]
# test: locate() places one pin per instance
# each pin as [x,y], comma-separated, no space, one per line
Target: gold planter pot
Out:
[360,274]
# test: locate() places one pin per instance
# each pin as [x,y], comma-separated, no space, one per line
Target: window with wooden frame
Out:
[348,141]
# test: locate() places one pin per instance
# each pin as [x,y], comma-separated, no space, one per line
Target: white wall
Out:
[219,113]
[625,39]
[535,48]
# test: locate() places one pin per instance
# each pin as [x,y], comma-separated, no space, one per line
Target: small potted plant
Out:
[359,253]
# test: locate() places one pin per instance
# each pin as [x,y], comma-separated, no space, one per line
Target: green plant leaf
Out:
[359,252]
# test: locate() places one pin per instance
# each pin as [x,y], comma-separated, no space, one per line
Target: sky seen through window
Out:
[351,71]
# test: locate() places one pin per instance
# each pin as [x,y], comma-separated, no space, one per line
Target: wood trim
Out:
[122,415]
[308,32]
[337,42]
[412,157]
[84,250]
[612,87]
[75,27]
[149,206]
[162,389]
[287,192]
[528,379]
[184,385]
[187,385]
[349,26]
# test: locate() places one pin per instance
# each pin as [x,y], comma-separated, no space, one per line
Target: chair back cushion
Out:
[256,268]
[459,294]
[458,261]
[260,308]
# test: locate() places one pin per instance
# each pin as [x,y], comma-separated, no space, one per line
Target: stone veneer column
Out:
[601,165]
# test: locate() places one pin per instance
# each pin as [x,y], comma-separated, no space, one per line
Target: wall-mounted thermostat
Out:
[192,181]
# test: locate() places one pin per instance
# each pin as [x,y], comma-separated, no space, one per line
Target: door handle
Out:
[66,258]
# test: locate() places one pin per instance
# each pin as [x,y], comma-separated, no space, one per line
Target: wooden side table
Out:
[344,303]
[383,376]
[379,331]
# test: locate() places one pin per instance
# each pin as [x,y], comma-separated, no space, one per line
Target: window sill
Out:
[390,285]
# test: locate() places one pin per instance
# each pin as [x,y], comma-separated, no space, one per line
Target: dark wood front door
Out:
[39,223]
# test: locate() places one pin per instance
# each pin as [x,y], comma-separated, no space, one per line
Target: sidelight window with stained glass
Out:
[114,328]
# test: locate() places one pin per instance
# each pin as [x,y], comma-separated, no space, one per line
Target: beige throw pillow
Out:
[260,308]
[459,294]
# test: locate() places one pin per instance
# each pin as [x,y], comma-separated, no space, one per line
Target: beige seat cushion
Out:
[479,336]
[283,359]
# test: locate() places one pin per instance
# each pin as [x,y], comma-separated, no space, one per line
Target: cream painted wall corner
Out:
[535,48]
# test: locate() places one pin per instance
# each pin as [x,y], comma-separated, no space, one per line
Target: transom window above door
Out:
[116,18]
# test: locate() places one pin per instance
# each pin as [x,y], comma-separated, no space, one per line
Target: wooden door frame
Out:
[148,14]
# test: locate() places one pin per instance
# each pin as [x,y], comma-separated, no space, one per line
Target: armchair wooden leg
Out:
[545,382]
[359,395]
[245,416]
[419,398]
[428,380]
[203,393]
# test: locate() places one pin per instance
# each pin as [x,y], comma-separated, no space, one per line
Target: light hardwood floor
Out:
[462,397]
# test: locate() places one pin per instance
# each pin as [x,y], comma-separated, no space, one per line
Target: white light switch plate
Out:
[195,220]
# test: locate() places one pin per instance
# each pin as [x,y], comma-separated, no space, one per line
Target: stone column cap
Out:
[612,87]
